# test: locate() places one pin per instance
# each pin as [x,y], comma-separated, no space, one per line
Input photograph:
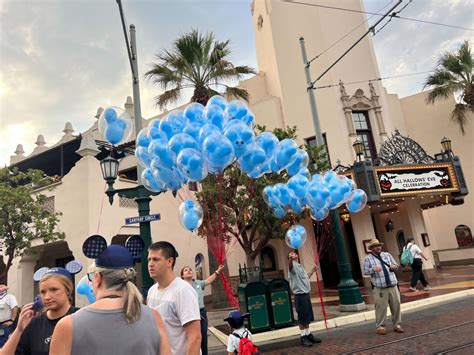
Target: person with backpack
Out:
[240,338]
[381,267]
[416,264]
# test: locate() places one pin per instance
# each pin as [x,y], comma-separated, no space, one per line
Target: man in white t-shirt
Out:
[175,300]
[8,313]
[417,265]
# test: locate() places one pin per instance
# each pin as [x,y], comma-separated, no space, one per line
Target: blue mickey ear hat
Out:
[113,256]
[236,319]
[73,267]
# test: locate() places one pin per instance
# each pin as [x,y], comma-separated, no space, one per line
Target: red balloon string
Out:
[319,245]
[216,240]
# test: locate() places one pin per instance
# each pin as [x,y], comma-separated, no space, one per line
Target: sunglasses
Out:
[90,276]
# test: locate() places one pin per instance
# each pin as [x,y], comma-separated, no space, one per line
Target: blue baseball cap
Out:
[114,257]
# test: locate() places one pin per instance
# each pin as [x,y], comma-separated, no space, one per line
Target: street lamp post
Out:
[350,298]
[109,165]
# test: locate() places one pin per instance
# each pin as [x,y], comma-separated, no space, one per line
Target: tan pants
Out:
[384,297]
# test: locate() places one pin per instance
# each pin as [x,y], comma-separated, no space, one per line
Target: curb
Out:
[291,332]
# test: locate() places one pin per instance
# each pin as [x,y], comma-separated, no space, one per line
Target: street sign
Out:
[142,219]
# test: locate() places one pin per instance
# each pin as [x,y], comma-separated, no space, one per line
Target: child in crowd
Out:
[239,334]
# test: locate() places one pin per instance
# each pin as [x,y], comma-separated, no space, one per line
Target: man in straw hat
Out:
[381,267]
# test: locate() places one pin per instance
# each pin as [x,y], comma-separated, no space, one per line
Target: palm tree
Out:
[198,62]
[453,75]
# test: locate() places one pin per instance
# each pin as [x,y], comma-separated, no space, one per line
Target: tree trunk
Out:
[200,95]
[3,272]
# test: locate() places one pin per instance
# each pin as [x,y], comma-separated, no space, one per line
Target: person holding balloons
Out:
[300,287]
[199,285]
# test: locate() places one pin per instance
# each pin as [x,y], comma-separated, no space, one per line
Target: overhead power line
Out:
[370,80]
[370,30]
[348,33]
[376,14]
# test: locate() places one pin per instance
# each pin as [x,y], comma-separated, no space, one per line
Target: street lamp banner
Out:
[416,179]
[142,219]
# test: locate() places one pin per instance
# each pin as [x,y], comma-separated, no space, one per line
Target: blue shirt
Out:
[377,278]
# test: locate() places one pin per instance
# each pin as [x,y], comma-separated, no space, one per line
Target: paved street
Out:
[445,328]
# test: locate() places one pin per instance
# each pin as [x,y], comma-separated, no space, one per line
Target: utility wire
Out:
[370,30]
[348,33]
[395,14]
[376,14]
[370,80]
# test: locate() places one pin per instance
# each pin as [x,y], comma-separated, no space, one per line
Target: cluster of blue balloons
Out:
[296,236]
[319,193]
[115,125]
[190,215]
[188,145]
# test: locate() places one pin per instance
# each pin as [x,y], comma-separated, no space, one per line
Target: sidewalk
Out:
[449,283]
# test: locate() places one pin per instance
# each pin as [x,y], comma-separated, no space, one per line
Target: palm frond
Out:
[168,97]
[458,115]
[235,92]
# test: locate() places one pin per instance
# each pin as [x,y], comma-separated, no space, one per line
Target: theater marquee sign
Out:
[416,179]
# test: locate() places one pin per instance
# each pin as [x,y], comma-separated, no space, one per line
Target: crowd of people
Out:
[174,319]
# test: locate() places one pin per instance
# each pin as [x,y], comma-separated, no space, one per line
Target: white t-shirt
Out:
[7,303]
[177,305]
[233,342]
[415,250]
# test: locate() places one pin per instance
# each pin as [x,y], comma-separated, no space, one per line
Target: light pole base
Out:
[352,307]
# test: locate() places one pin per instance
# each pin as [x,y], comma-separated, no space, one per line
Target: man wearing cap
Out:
[8,313]
[381,267]
[175,300]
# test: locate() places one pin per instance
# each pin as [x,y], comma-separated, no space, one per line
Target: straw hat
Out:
[373,243]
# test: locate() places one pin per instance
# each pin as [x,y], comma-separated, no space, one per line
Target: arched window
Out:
[267,255]
[198,265]
[463,236]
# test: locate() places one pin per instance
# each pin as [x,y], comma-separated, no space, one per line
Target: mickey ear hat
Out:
[114,257]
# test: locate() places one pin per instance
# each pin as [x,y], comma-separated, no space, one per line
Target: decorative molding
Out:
[399,150]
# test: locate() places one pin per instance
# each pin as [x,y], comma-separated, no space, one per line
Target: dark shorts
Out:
[304,309]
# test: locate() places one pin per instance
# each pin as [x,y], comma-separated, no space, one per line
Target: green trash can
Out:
[280,303]
[253,298]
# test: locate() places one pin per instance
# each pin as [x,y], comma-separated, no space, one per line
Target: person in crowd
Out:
[238,331]
[300,287]
[174,299]
[381,267]
[199,285]
[8,313]
[33,333]
[117,322]
[417,265]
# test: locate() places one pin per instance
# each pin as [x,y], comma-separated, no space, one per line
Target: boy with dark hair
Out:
[174,299]
[300,286]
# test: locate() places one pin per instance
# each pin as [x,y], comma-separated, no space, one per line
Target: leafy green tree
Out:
[234,207]
[453,75]
[198,62]
[23,216]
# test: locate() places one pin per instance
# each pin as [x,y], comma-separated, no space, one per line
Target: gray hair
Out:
[122,280]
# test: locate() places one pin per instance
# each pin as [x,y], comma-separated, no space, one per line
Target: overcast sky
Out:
[62,59]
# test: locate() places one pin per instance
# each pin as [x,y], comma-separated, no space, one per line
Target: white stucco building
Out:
[278,98]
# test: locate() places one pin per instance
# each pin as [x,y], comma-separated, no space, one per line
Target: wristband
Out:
[216,272]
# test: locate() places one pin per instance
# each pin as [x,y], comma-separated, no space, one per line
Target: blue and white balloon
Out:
[296,236]
[190,215]
[115,125]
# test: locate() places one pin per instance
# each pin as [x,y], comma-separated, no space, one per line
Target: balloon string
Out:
[101,208]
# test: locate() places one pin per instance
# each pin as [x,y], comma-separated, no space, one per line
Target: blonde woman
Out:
[118,322]
[34,329]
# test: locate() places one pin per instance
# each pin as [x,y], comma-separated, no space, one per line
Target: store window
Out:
[364,133]
[463,236]
[311,141]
